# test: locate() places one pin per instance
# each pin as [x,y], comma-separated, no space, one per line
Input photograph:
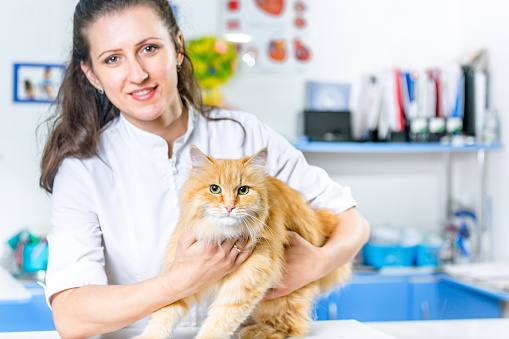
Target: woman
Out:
[116,158]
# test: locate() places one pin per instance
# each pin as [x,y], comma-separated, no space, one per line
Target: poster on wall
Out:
[37,82]
[272,35]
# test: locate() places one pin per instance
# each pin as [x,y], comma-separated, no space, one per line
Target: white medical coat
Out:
[113,214]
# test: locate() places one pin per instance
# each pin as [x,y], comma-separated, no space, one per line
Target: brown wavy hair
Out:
[80,111]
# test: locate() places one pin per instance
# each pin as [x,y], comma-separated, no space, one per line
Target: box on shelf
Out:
[427,255]
[381,255]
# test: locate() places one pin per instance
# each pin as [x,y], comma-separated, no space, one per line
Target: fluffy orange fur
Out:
[264,214]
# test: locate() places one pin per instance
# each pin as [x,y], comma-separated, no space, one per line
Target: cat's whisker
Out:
[249,227]
[251,231]
[243,221]
[266,226]
[245,214]
[255,235]
[275,202]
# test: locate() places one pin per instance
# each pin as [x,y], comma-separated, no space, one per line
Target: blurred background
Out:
[346,41]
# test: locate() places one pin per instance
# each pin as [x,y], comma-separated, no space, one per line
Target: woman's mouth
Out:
[143,94]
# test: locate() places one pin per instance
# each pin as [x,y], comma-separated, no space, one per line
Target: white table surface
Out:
[338,329]
[445,329]
[351,329]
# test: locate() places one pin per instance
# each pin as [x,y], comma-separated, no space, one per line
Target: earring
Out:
[179,67]
[100,90]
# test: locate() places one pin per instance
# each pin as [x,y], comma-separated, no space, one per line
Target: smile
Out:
[144,94]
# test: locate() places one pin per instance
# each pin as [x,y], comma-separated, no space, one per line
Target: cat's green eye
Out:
[215,189]
[243,190]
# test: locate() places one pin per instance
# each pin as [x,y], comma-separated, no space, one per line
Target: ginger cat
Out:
[263,209]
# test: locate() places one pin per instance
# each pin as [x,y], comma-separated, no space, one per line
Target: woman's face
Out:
[133,58]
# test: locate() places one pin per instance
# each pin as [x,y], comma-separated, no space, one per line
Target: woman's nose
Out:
[137,73]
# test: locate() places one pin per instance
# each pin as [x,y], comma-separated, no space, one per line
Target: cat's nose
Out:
[229,209]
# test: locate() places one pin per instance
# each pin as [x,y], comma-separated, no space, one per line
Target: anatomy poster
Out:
[272,34]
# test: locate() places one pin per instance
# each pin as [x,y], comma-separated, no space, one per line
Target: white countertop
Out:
[351,329]
[445,329]
[344,329]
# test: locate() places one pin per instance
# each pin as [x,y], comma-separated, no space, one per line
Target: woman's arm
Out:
[306,263]
[90,310]
[95,309]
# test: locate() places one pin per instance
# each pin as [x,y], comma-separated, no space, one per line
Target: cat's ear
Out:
[198,159]
[259,159]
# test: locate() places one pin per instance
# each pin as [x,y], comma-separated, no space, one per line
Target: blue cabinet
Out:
[378,297]
[425,302]
[366,299]
[32,315]
[460,301]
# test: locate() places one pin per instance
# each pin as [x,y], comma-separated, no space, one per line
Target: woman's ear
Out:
[89,73]
[180,48]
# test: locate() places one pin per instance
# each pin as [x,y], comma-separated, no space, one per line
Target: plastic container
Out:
[427,255]
[35,257]
[383,255]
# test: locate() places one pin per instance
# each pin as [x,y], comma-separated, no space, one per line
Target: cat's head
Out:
[227,198]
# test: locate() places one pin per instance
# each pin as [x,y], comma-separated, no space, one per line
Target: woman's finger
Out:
[243,255]
[187,239]
[237,248]
[228,243]
[241,243]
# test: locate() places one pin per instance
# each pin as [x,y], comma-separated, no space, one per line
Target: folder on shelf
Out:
[391,112]
[369,105]
[440,101]
[476,94]
[451,88]
[409,94]
[426,96]
[476,101]
[400,114]
[435,77]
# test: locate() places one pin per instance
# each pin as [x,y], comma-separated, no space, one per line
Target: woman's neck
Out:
[170,126]
[175,130]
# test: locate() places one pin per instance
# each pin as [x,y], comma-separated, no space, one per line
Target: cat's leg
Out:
[163,321]
[238,295]
[283,317]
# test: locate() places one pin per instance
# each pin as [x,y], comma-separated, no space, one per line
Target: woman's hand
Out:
[306,263]
[106,308]
[303,264]
[198,264]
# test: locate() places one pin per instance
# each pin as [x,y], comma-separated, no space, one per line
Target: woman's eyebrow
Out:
[119,49]
[108,51]
[147,39]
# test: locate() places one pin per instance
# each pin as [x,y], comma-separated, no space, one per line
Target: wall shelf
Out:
[389,147]
[478,149]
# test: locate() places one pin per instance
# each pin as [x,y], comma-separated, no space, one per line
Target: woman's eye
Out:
[111,60]
[150,48]
[243,190]
[215,189]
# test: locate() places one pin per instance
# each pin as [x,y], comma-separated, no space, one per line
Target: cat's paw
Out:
[260,331]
